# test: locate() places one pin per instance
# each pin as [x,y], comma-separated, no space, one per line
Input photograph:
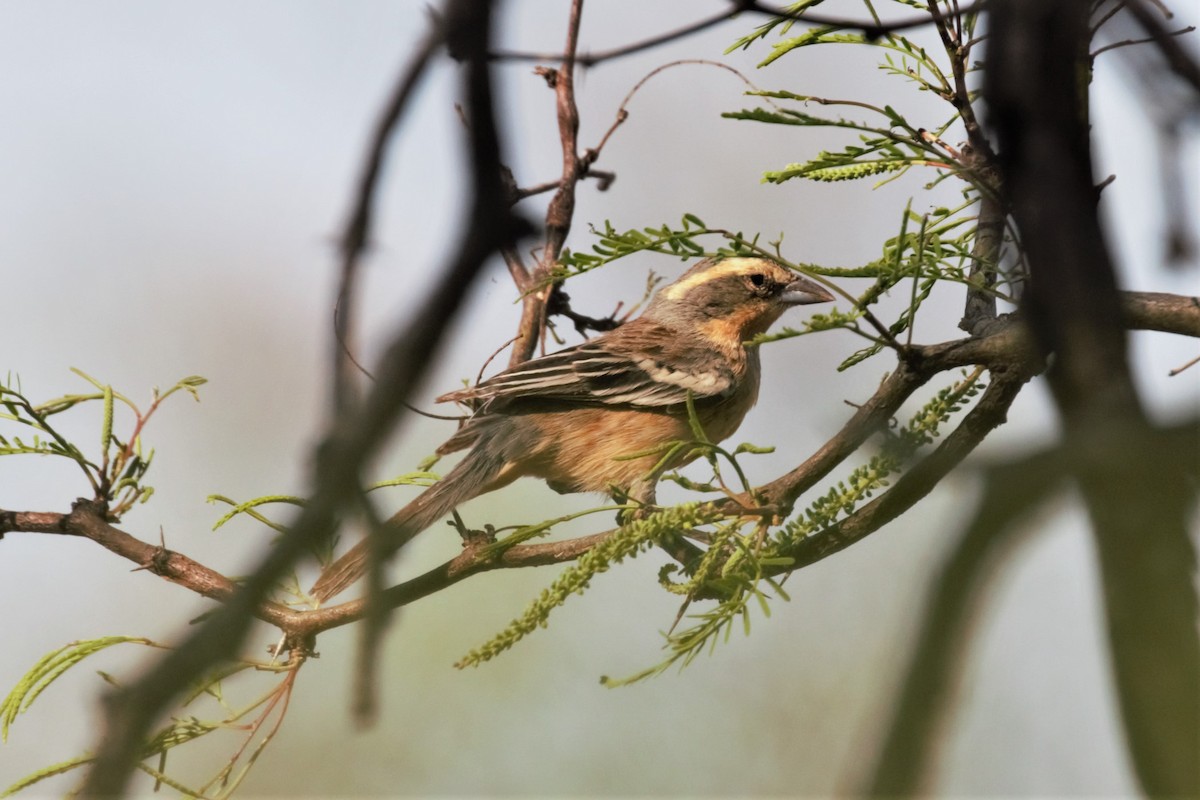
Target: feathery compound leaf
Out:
[783,23]
[842,172]
[731,568]
[248,507]
[899,448]
[107,426]
[680,242]
[625,542]
[48,669]
[46,772]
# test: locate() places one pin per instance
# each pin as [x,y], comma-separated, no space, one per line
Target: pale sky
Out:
[174,175]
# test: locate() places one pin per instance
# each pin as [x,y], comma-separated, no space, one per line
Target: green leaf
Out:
[248,507]
[107,426]
[48,669]
[47,772]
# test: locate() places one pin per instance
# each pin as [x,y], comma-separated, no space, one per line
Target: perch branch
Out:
[1007,346]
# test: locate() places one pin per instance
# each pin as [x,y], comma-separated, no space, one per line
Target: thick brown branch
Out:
[915,484]
[1158,311]
[561,210]
[87,520]
[471,561]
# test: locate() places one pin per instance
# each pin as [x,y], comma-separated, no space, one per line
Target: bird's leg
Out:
[640,498]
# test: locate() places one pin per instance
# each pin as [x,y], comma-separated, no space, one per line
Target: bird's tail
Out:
[473,476]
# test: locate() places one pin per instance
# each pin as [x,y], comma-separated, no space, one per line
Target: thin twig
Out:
[1148,39]
[589,60]
[1186,366]
[961,100]
[357,234]
[603,178]
[1181,62]
[870,29]
[1113,10]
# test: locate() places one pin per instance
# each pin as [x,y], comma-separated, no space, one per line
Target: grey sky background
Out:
[173,178]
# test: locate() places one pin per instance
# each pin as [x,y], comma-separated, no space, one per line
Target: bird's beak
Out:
[802,292]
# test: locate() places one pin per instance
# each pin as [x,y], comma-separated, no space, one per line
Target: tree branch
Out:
[1007,346]
[87,520]
[918,481]
[961,99]
[561,210]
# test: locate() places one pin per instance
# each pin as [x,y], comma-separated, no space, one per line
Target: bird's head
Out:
[734,299]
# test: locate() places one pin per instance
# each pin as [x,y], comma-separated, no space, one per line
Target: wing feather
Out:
[643,366]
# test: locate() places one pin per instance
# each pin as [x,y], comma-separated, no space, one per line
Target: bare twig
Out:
[1181,62]
[560,306]
[1114,8]
[87,520]
[561,210]
[541,298]
[591,59]
[517,269]
[357,234]
[961,99]
[603,178]
[1147,40]
[871,29]
[1186,366]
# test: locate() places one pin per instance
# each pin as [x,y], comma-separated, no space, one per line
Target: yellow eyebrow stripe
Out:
[730,266]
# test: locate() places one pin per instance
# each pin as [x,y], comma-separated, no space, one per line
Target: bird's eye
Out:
[758,279]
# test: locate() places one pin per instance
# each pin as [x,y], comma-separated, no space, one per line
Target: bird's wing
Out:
[635,365]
